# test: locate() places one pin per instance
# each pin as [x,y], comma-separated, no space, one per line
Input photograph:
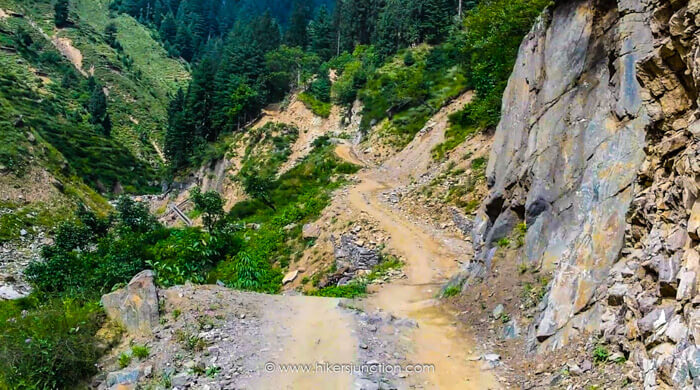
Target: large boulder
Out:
[135,307]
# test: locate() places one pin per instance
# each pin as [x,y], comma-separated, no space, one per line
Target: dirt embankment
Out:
[310,127]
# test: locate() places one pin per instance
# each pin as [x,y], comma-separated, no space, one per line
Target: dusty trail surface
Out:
[430,260]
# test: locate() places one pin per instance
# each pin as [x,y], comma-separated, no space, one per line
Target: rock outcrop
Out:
[134,307]
[351,255]
[597,152]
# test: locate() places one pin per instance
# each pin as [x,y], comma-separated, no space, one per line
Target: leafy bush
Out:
[210,205]
[185,255]
[250,272]
[451,291]
[600,354]
[353,289]
[50,345]
[317,106]
[140,351]
[87,258]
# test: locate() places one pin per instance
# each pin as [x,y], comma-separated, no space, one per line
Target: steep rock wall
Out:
[568,148]
[597,152]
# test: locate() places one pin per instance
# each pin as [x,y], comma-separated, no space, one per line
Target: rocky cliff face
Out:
[597,152]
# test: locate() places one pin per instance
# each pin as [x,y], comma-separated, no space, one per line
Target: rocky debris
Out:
[498,311]
[351,254]
[310,230]
[198,343]
[392,197]
[380,335]
[211,337]
[127,376]
[15,256]
[134,307]
[511,330]
[461,221]
[290,277]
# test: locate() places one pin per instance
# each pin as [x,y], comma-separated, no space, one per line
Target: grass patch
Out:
[533,293]
[124,360]
[141,76]
[455,135]
[451,291]
[140,351]
[318,107]
[600,354]
[358,287]
[503,243]
[351,290]
[51,109]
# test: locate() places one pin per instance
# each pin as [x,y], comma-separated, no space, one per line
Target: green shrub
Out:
[140,351]
[190,341]
[187,255]
[318,107]
[248,271]
[50,345]
[353,289]
[503,242]
[600,354]
[124,360]
[451,291]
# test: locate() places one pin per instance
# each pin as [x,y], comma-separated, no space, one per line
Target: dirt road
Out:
[430,259]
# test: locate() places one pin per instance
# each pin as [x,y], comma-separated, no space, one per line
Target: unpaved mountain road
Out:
[430,260]
[319,331]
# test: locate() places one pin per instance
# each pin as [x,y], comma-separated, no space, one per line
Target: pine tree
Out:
[397,26]
[61,10]
[322,35]
[97,107]
[435,19]
[111,34]
[168,28]
[184,43]
[297,34]
[178,138]
[356,22]
[107,126]
[200,100]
